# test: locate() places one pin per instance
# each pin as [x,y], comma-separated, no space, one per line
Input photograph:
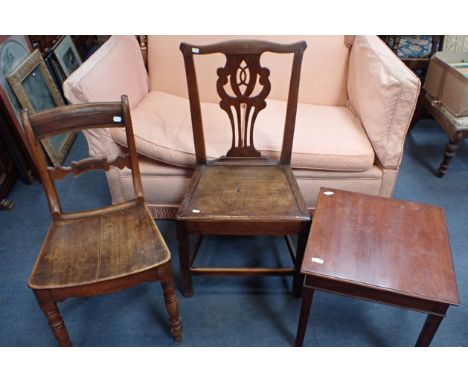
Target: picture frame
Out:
[35,89]
[13,51]
[56,72]
[67,55]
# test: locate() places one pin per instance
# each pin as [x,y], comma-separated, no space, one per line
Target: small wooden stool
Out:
[383,250]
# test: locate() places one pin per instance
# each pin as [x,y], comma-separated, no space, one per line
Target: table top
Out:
[382,243]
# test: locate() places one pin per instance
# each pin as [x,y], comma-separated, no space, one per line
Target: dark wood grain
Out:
[242,193]
[380,249]
[383,243]
[89,253]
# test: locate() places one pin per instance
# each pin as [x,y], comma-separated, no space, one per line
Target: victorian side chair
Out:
[242,193]
[99,251]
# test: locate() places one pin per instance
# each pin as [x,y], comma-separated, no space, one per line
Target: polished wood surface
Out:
[382,243]
[99,251]
[242,193]
[380,249]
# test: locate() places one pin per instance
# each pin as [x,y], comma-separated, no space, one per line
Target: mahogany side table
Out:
[380,249]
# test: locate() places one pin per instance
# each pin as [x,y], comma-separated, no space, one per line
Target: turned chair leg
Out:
[170,299]
[56,324]
[184,258]
[450,151]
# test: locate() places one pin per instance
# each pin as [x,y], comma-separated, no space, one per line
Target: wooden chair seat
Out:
[239,192]
[81,250]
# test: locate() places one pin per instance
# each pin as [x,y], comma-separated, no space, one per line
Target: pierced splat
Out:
[88,164]
[237,83]
[243,85]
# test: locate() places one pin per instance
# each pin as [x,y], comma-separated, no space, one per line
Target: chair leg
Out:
[450,151]
[298,279]
[168,286]
[56,324]
[184,258]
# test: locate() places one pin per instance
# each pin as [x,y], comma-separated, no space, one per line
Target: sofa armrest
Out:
[382,93]
[116,68]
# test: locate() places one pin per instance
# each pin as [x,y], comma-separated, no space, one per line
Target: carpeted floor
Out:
[229,311]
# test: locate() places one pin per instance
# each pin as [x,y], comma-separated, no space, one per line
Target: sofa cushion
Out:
[93,82]
[326,137]
[383,93]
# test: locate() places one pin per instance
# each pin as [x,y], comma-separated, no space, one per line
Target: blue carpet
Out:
[228,311]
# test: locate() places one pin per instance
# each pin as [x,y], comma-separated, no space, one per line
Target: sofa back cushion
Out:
[116,68]
[326,137]
[383,93]
[323,77]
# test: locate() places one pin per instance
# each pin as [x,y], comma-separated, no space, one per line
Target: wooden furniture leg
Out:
[304,317]
[429,330]
[56,324]
[168,286]
[184,258]
[450,151]
[298,279]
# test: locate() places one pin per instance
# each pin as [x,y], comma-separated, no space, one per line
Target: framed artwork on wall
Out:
[35,89]
[67,55]
[13,51]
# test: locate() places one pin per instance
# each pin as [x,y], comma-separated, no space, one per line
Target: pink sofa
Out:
[356,101]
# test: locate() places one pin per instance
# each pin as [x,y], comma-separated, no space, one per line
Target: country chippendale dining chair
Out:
[242,193]
[99,251]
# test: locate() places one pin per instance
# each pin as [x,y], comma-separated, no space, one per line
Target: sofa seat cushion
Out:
[326,137]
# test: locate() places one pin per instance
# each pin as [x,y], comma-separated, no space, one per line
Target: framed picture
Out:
[56,72]
[13,51]
[35,89]
[67,55]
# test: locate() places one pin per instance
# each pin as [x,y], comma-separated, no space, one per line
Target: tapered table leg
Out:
[308,294]
[429,330]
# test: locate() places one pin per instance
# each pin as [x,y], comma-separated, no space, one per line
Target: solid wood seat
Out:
[122,240]
[99,251]
[232,191]
[242,193]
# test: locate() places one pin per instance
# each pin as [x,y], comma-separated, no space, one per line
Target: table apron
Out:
[380,296]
